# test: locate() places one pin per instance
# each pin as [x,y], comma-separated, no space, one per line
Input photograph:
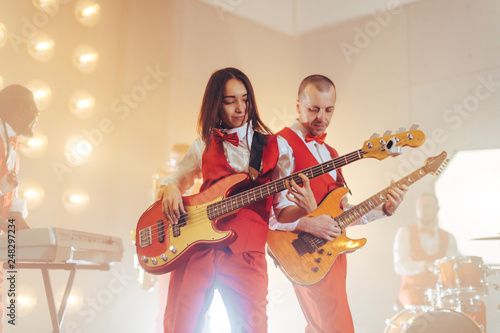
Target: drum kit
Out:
[461,283]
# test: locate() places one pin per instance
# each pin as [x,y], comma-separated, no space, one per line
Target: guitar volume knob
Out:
[172,249]
[164,257]
[144,259]
[154,261]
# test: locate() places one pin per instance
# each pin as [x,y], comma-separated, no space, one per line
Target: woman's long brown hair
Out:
[212,103]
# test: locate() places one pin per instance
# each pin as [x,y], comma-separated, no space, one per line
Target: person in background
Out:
[417,247]
[18,117]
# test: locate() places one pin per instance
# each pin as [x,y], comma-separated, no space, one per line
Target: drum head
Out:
[431,321]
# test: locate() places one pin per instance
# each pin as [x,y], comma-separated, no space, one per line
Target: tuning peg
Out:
[414,127]
[374,136]
[386,133]
[401,130]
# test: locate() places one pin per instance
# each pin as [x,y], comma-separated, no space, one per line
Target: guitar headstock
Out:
[435,165]
[385,146]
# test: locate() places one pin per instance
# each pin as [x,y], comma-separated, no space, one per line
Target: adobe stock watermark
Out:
[94,304]
[121,107]
[453,117]
[31,27]
[222,6]
[372,29]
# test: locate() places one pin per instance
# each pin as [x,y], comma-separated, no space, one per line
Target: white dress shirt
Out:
[322,154]
[430,244]
[189,167]
[17,204]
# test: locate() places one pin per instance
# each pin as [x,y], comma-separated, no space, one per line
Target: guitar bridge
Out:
[176,228]
[145,237]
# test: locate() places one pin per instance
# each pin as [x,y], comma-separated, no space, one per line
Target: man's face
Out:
[316,108]
[427,209]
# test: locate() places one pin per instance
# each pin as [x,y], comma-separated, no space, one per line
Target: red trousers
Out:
[324,304]
[1,295]
[241,279]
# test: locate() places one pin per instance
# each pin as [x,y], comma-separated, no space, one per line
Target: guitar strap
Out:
[258,143]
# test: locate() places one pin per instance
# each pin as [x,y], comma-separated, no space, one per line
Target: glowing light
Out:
[35,146]
[77,150]
[85,58]
[41,47]
[3,35]
[26,299]
[81,104]
[42,93]
[50,7]
[87,12]
[75,200]
[32,193]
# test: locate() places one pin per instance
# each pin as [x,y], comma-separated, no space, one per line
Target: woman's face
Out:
[234,104]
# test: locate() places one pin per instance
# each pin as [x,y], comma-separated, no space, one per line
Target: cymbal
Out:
[487,238]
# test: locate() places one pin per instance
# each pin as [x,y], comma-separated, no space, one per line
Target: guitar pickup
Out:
[145,237]
[176,228]
[161,231]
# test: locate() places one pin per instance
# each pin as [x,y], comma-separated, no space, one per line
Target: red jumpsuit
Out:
[324,304]
[238,271]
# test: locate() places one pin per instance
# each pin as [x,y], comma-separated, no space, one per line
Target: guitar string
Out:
[346,219]
[349,158]
[410,179]
[251,197]
[187,217]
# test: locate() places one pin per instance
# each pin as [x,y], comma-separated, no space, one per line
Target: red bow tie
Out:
[427,231]
[318,138]
[232,137]
[14,142]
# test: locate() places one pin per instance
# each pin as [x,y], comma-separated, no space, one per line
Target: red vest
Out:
[304,159]
[415,285]
[5,200]
[251,222]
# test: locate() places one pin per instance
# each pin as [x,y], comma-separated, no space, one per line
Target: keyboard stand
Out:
[57,316]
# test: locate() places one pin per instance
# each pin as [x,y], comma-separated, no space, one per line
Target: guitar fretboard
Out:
[347,218]
[260,192]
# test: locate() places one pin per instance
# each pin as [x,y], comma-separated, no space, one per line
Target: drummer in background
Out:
[416,248]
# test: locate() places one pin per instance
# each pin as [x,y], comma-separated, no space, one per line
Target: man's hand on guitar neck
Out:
[322,226]
[302,197]
[395,197]
[172,204]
